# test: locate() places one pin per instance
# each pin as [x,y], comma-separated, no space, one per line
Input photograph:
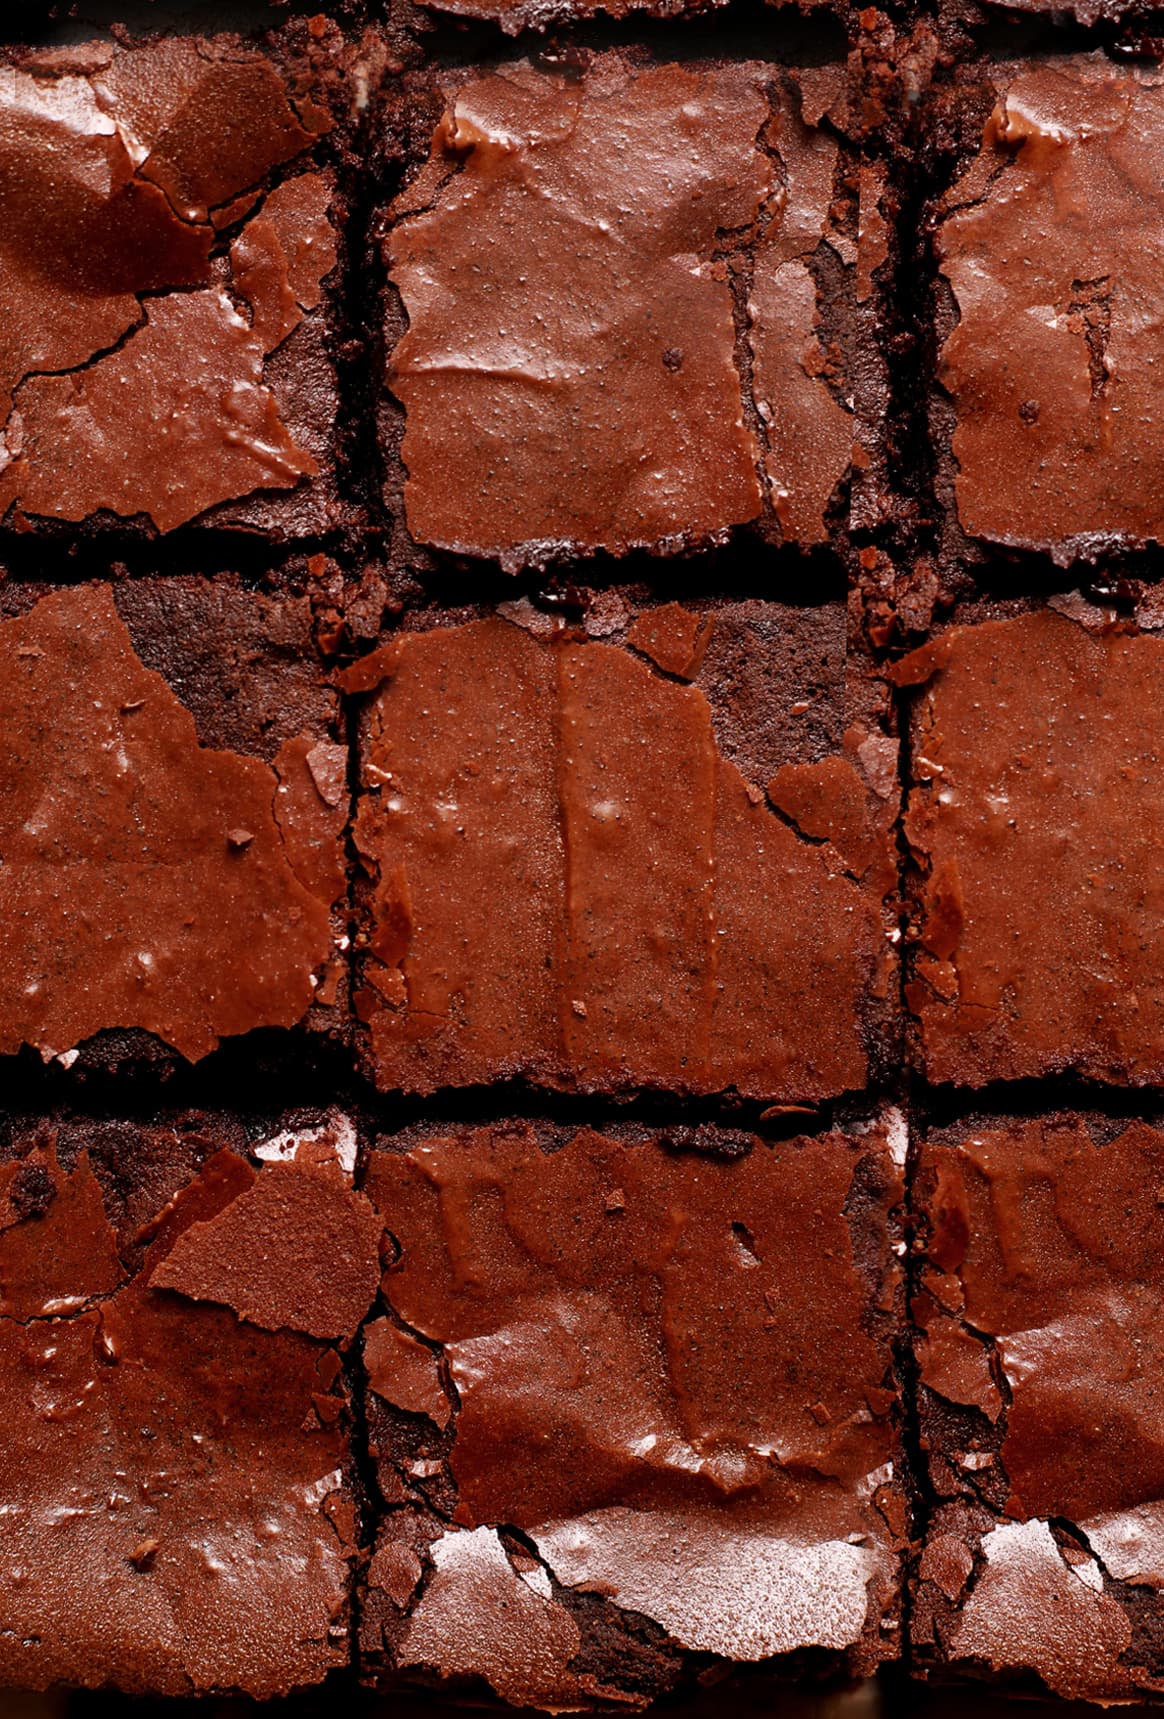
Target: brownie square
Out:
[173,801]
[167,350]
[1041,1345]
[1034,822]
[598,340]
[1047,409]
[632,1408]
[178,1499]
[647,849]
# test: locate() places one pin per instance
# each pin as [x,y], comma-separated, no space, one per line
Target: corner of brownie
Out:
[1039,1344]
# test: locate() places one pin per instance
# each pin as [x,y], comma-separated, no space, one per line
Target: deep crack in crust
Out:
[1133,26]
[548,17]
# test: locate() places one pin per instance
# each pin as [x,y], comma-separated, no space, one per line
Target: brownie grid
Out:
[915,580]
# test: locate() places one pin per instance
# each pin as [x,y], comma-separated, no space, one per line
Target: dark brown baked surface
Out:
[1045,243]
[581,1055]
[1032,826]
[171,217]
[173,802]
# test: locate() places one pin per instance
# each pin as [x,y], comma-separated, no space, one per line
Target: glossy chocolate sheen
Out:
[1036,825]
[162,353]
[178,1514]
[685,1415]
[154,875]
[581,263]
[587,871]
[1050,244]
[1041,1309]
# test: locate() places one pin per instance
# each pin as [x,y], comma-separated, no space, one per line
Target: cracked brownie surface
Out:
[178,1502]
[609,328]
[1040,1366]
[592,1463]
[573,878]
[587,610]
[170,221]
[172,859]
[1036,771]
[1047,242]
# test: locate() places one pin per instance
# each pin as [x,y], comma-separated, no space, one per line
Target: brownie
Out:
[631,1402]
[1046,409]
[173,800]
[1040,1345]
[1033,824]
[649,848]
[172,218]
[599,339]
[179,1511]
